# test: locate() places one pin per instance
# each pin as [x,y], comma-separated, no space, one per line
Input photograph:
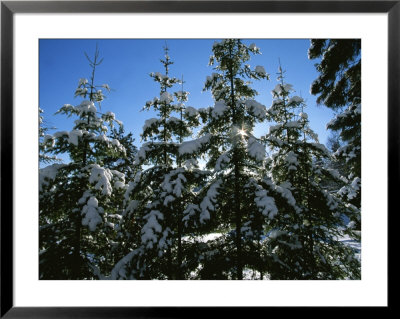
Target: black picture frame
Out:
[9,8]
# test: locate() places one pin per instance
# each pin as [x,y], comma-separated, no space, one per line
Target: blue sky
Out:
[128,62]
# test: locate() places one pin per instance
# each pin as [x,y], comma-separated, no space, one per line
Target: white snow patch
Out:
[256,149]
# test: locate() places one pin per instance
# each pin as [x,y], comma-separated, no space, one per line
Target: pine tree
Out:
[123,164]
[44,157]
[304,241]
[78,219]
[158,197]
[236,199]
[339,88]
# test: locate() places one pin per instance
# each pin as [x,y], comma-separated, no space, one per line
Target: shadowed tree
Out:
[339,88]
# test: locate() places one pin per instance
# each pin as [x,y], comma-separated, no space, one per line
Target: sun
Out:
[242,132]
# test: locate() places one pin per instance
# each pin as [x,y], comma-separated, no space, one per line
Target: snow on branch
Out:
[102,177]
[151,227]
[265,203]
[256,150]
[257,109]
[194,146]
[207,204]
[92,212]
[48,173]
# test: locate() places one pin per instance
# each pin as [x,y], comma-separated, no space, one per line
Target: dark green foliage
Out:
[232,151]
[304,240]
[44,157]
[81,193]
[161,197]
[339,82]
[115,212]
[339,88]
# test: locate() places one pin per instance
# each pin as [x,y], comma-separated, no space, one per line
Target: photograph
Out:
[199,159]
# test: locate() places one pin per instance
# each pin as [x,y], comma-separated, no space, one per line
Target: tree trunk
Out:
[238,225]
[76,260]
[179,266]
[238,216]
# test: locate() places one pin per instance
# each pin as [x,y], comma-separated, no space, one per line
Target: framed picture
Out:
[25,28]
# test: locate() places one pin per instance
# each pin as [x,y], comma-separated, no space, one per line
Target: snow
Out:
[82,82]
[102,177]
[91,212]
[73,136]
[148,123]
[351,224]
[293,124]
[117,216]
[284,190]
[224,158]
[60,134]
[256,149]
[132,185]
[173,182]
[190,147]
[119,185]
[356,183]
[352,243]
[178,188]
[260,70]
[133,204]
[219,109]
[151,227]
[303,115]
[265,203]
[106,86]
[119,269]
[331,200]
[296,99]
[191,111]
[207,204]
[48,173]
[190,211]
[291,159]
[86,107]
[351,191]
[191,163]
[49,138]
[173,119]
[168,199]
[259,110]
[313,135]
[207,237]
[282,89]
[142,153]
[276,233]
[163,242]
[322,148]
[276,102]
[275,140]
[274,128]
[116,143]
[334,173]
[166,97]
[102,138]
[253,46]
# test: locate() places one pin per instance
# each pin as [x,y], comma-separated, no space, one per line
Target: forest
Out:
[202,197]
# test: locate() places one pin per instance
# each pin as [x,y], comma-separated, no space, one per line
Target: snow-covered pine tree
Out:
[159,196]
[44,157]
[304,242]
[123,164]
[236,200]
[77,213]
[339,87]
